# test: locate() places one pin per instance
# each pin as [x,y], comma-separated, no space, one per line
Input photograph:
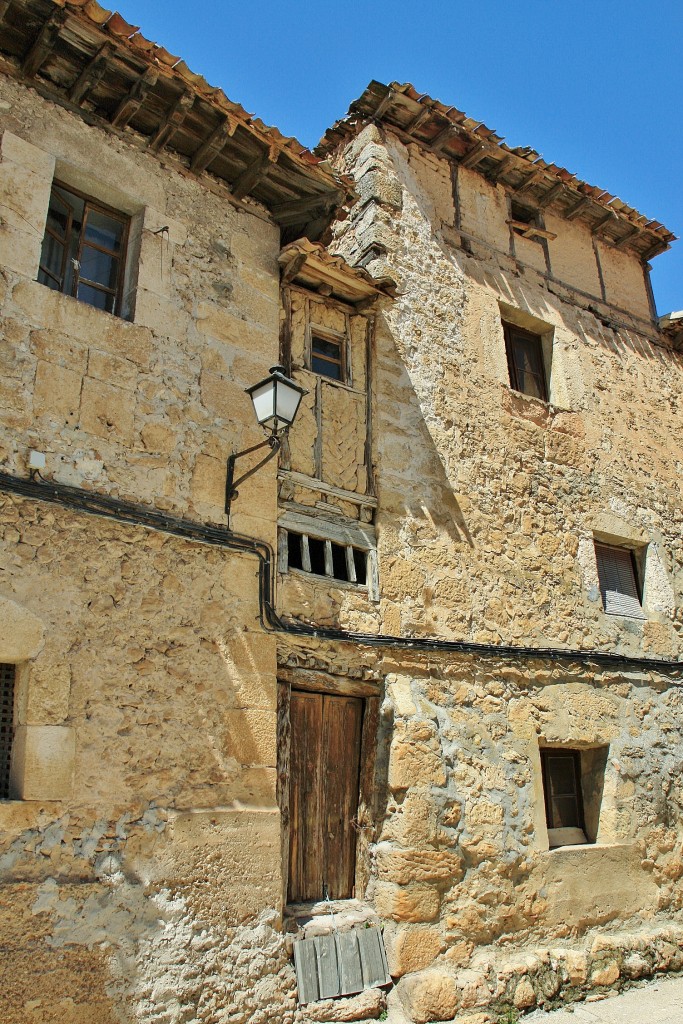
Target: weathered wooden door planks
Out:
[325,763]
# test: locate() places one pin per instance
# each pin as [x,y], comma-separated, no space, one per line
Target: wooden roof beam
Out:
[422,115]
[131,103]
[530,180]
[44,44]
[91,75]
[294,210]
[578,208]
[474,155]
[290,271]
[609,216]
[255,173]
[551,194]
[440,140]
[630,236]
[497,172]
[384,104]
[4,4]
[211,147]
[171,122]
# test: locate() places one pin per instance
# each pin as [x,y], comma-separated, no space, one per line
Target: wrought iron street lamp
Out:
[276,402]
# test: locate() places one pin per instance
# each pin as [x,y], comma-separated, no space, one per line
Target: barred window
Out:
[7,673]
[326,558]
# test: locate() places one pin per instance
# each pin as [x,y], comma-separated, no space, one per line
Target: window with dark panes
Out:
[617,572]
[525,362]
[7,673]
[327,558]
[563,794]
[327,357]
[84,249]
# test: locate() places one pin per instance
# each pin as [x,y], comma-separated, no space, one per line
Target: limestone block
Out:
[22,635]
[48,687]
[245,334]
[429,996]
[59,349]
[29,157]
[524,996]
[57,393]
[405,866]
[250,736]
[219,395]
[366,1006]
[208,481]
[107,411]
[164,316]
[412,903]
[605,975]
[412,948]
[157,437]
[415,821]
[42,762]
[380,187]
[122,373]
[415,757]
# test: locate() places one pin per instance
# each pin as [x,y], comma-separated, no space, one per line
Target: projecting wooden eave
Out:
[311,265]
[95,64]
[448,132]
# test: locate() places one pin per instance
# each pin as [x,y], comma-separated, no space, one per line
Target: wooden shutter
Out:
[618,583]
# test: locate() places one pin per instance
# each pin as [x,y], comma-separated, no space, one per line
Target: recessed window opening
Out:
[573,784]
[7,677]
[327,357]
[326,558]
[84,249]
[619,583]
[522,217]
[525,362]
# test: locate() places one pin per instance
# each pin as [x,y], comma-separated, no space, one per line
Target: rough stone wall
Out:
[489,502]
[140,872]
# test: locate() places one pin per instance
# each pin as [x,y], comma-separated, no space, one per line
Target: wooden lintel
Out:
[212,146]
[551,194]
[577,208]
[294,209]
[477,153]
[171,122]
[384,105]
[131,103]
[366,303]
[321,682]
[500,170]
[419,119]
[655,250]
[91,75]
[530,180]
[293,267]
[256,171]
[628,237]
[44,44]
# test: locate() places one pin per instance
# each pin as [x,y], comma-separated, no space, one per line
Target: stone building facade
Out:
[370,681]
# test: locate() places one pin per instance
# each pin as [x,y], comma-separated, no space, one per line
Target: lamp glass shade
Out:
[276,400]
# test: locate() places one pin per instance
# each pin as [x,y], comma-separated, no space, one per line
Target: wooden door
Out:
[323,795]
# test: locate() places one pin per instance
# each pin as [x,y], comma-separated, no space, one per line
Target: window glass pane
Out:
[98,267]
[51,282]
[95,297]
[325,368]
[58,215]
[103,231]
[528,361]
[325,347]
[52,256]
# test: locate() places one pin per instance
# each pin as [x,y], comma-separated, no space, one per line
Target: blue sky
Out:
[593,86]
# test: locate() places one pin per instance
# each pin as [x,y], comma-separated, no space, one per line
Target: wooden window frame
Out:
[607,548]
[333,338]
[90,205]
[510,331]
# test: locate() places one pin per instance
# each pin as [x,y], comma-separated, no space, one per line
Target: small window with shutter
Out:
[618,575]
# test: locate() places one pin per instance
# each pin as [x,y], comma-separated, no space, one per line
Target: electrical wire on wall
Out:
[138,515]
